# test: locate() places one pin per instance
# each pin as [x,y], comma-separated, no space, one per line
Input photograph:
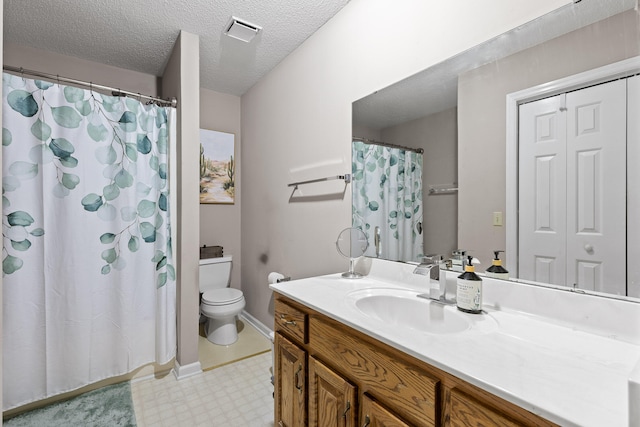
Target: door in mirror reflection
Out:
[387,200]
[572,213]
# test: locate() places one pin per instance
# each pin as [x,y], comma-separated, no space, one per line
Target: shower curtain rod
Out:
[387,144]
[172,102]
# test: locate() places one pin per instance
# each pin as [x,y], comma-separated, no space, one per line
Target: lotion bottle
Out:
[497,271]
[469,290]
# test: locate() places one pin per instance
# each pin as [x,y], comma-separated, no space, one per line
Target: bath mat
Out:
[107,406]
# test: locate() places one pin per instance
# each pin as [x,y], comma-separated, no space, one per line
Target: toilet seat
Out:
[224,296]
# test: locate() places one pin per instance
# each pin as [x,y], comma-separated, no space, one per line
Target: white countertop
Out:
[558,371]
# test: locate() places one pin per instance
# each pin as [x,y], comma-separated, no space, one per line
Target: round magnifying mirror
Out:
[352,243]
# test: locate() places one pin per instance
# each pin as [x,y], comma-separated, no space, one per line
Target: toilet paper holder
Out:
[275,277]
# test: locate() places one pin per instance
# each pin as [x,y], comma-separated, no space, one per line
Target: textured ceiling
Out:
[139,34]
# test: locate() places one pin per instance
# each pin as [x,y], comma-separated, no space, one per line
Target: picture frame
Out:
[217,167]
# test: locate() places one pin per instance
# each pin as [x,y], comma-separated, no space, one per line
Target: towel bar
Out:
[346,177]
[443,189]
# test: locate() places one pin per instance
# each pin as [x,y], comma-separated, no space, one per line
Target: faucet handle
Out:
[423,269]
[431,258]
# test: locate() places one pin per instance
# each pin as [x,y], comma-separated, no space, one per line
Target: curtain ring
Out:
[22,73]
[58,79]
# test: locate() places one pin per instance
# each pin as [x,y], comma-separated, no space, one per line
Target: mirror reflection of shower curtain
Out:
[89,284]
[387,193]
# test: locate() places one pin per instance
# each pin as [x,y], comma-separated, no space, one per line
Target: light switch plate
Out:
[497,219]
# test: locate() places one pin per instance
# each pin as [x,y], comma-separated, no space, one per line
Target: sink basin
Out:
[399,307]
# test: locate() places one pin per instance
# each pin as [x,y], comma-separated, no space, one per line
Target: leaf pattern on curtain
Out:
[387,193]
[126,134]
[87,260]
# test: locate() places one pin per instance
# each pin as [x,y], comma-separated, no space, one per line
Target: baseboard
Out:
[261,327]
[186,371]
[152,370]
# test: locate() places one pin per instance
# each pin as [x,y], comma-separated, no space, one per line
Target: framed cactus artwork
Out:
[217,167]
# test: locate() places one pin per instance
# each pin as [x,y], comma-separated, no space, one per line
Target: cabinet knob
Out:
[367,421]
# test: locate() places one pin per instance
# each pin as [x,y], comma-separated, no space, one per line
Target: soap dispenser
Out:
[469,290]
[497,271]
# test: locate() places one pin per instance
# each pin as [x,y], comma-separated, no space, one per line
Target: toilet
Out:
[220,304]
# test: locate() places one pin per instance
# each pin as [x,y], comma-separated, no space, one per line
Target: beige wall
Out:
[482,110]
[220,224]
[1,302]
[296,122]
[360,131]
[181,79]
[81,69]
[437,134]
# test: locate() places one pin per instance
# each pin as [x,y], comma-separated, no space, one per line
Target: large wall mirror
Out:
[496,175]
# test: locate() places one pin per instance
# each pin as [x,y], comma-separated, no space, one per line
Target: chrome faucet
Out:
[430,266]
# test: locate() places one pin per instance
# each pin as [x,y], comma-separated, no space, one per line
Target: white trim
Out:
[153,375]
[633,179]
[186,371]
[599,75]
[261,327]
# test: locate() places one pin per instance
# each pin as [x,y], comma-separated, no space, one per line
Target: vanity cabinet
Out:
[332,398]
[330,375]
[374,415]
[290,383]
[465,411]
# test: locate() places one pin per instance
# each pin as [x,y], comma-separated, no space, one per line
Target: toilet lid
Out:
[222,296]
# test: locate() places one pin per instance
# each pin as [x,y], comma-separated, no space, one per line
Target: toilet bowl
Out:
[220,304]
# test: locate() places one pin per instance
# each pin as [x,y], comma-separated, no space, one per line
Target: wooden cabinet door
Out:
[374,415]
[404,387]
[290,384]
[467,411]
[331,398]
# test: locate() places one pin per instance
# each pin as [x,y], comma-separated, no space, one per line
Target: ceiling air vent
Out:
[241,30]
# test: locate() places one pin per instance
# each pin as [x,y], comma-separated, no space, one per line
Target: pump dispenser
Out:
[469,290]
[497,271]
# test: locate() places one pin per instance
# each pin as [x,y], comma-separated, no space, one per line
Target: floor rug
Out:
[107,406]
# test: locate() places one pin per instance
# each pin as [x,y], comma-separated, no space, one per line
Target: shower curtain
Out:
[387,193]
[89,284]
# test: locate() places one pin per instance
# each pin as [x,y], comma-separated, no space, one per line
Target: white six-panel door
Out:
[572,189]
[542,191]
[596,185]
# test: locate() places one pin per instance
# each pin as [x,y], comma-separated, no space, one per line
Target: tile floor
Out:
[235,395]
[230,394]
[250,342]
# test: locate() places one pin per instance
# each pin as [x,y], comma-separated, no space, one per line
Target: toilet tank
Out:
[215,273]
